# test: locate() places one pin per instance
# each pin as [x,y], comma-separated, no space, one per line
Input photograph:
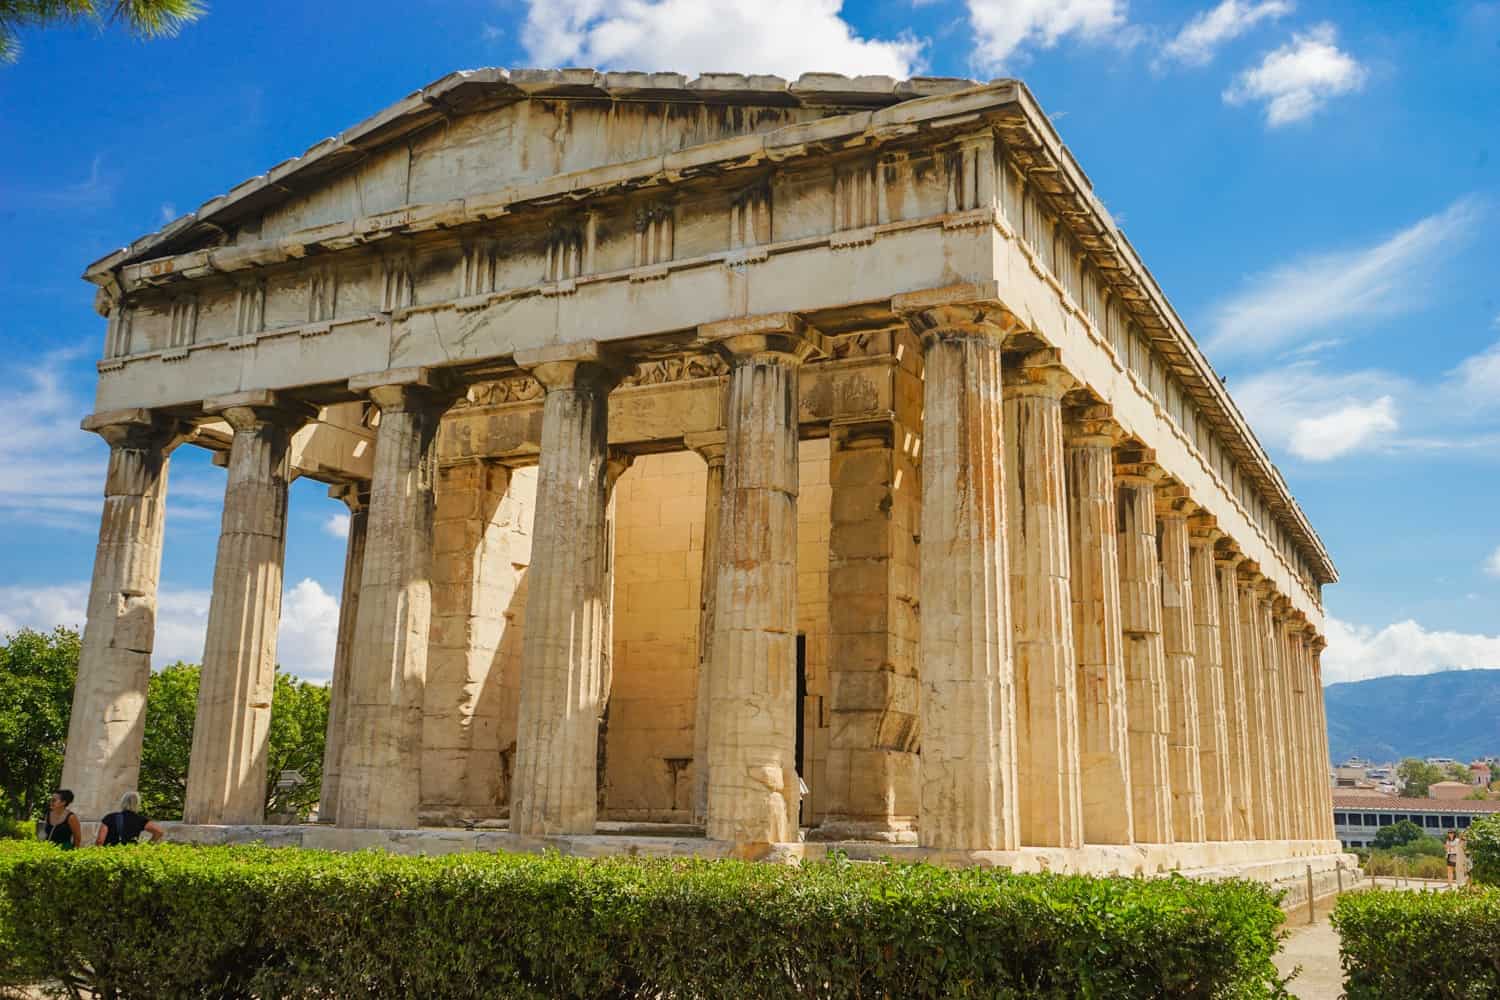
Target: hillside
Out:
[1455,713]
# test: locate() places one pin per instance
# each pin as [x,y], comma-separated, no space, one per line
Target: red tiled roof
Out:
[1364,802]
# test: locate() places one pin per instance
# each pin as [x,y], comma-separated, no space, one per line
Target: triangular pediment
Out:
[489,129]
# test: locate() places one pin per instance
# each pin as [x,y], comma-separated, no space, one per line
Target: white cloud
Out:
[783,37]
[1492,564]
[1004,26]
[1335,289]
[168,212]
[1358,652]
[337,525]
[1296,80]
[1477,377]
[1349,428]
[1196,43]
[1320,415]
[309,622]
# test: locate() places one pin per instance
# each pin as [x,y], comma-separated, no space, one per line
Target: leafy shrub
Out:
[1483,846]
[240,922]
[1407,865]
[17,829]
[1417,945]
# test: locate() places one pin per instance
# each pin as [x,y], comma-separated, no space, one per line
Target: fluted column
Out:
[1301,725]
[969,795]
[380,767]
[1094,577]
[554,789]
[356,496]
[226,780]
[1041,601]
[1214,754]
[1237,699]
[1324,829]
[1145,655]
[753,793]
[103,757]
[1179,641]
[1276,744]
[614,467]
[711,448]
[1258,709]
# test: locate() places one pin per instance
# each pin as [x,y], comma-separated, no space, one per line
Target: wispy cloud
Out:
[168,212]
[309,622]
[1202,36]
[1492,564]
[1330,290]
[337,525]
[1296,80]
[1003,27]
[784,37]
[95,191]
[1358,652]
[1319,415]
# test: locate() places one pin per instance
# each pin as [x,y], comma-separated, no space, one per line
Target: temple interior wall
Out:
[482,548]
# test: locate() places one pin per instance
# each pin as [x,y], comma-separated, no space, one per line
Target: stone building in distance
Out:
[809,462]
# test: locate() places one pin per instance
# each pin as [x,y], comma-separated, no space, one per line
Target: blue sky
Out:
[1315,187]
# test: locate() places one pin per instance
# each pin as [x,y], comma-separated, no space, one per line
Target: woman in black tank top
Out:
[61,826]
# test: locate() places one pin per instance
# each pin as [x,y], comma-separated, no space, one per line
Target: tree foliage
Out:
[1482,843]
[1404,832]
[171,704]
[299,727]
[1417,776]
[144,18]
[37,670]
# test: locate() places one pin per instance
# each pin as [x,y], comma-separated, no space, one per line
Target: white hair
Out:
[130,801]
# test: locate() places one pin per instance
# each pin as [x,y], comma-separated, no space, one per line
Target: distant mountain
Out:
[1455,714]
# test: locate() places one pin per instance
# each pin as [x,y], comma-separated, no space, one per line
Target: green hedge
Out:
[1483,845]
[176,921]
[1417,945]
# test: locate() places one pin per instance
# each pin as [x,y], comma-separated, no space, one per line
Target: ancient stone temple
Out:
[798,462]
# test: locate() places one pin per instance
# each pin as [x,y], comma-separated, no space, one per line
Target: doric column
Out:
[1276,744]
[1214,753]
[1094,576]
[356,496]
[753,794]
[870,779]
[1179,641]
[1324,828]
[1237,699]
[555,788]
[1041,603]
[379,774]
[1149,710]
[103,758]
[710,447]
[969,798]
[227,773]
[1302,727]
[1258,709]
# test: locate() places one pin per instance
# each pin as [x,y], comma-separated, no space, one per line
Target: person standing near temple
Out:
[127,825]
[61,826]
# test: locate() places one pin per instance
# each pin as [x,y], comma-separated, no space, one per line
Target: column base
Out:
[895,830]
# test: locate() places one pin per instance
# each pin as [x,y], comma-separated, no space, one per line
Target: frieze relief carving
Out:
[514,389]
[865,344]
[677,369]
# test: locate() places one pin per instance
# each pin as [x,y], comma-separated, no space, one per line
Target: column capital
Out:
[356,495]
[709,445]
[1137,467]
[1318,644]
[616,462]
[745,338]
[1092,424]
[1173,501]
[970,309]
[1037,373]
[579,365]
[257,407]
[401,389]
[136,428]
[1203,530]
[1228,554]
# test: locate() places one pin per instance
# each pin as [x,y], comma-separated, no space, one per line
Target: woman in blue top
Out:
[61,826]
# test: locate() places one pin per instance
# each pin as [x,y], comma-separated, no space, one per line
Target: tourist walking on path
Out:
[61,826]
[126,826]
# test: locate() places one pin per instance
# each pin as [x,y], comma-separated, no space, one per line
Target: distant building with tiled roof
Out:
[1357,816]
